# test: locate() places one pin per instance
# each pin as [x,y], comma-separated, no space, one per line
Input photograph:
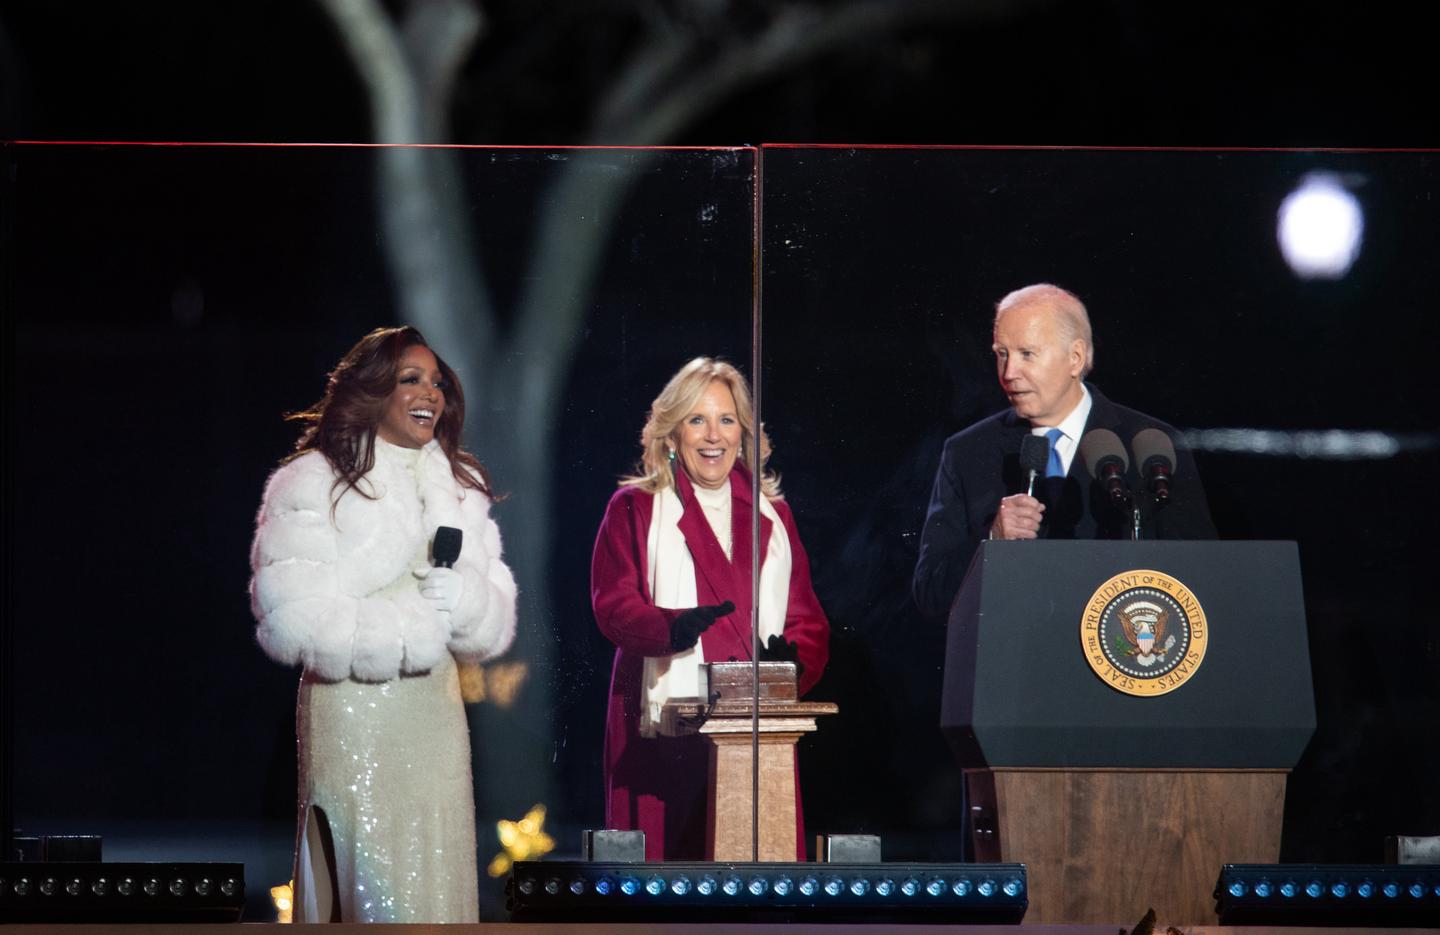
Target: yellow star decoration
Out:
[497,683]
[283,896]
[523,840]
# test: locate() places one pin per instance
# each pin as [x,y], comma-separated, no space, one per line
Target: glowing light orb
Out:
[1321,228]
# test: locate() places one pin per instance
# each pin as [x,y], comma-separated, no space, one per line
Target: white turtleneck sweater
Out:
[716,506]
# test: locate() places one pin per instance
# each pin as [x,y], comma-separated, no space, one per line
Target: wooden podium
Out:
[1117,800]
[1100,845]
[726,718]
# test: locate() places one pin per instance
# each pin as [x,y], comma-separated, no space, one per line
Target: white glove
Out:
[441,585]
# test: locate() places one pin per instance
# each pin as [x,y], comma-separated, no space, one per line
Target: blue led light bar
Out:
[1329,894]
[601,891]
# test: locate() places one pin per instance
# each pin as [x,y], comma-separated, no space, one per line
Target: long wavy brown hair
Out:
[342,425]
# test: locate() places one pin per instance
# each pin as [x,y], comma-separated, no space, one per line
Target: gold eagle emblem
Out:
[1144,625]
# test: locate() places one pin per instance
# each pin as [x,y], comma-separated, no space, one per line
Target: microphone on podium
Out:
[1155,454]
[1104,456]
[1034,455]
[446,548]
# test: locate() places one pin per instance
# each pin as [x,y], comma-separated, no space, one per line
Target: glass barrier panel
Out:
[1276,307]
[170,305]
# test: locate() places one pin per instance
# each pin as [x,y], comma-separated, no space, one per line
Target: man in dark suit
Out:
[1043,351]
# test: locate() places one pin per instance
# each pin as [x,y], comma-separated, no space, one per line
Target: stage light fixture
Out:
[693,891]
[1329,894]
[847,848]
[86,891]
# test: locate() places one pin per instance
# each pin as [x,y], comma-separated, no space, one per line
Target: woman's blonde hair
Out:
[676,401]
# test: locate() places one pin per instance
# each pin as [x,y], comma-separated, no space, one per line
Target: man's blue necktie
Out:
[1056,467]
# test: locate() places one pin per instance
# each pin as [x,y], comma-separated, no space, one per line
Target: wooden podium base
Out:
[1102,845]
[727,719]
[728,835]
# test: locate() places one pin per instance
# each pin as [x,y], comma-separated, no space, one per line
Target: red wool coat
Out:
[658,785]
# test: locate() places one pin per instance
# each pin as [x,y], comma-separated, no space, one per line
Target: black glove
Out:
[685,629]
[778,649]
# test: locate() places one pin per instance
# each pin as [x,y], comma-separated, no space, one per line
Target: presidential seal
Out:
[1143,633]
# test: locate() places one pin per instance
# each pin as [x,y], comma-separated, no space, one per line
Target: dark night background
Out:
[164,306]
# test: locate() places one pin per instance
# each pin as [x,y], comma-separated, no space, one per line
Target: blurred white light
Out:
[1325,444]
[1321,226]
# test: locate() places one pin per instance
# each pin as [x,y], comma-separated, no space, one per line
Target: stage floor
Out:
[689,928]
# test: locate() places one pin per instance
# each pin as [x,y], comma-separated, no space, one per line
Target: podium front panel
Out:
[1019,690]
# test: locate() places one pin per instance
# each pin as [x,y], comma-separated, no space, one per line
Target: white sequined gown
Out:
[389,765]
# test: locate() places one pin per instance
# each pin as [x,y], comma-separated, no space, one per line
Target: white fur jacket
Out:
[322,589]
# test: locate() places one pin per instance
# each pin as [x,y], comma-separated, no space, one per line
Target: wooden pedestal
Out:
[1103,846]
[732,786]
[727,722]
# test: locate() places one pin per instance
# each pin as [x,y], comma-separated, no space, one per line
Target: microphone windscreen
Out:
[446,548]
[1034,453]
[1100,445]
[1153,443]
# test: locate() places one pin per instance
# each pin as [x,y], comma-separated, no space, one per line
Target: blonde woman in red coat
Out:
[671,587]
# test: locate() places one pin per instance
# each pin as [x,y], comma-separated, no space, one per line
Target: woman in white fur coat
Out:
[345,586]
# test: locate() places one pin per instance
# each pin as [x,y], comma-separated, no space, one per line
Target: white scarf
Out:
[671,572]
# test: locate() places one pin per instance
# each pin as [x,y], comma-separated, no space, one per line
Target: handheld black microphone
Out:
[1105,459]
[1034,456]
[446,548]
[1155,454]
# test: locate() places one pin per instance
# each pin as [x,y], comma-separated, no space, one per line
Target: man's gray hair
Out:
[1070,314]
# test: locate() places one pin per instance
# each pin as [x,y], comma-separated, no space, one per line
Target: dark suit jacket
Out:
[981,465]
